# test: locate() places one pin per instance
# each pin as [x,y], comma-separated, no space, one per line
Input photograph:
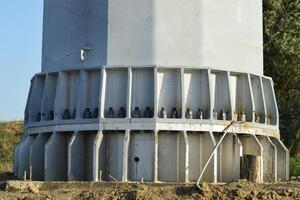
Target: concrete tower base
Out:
[149,156]
[152,124]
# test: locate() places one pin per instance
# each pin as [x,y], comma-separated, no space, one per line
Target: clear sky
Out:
[20,53]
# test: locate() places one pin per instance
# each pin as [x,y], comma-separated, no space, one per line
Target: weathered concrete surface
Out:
[24,156]
[80,151]
[37,156]
[56,157]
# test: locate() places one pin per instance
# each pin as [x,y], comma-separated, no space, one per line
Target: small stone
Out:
[205,187]
[33,189]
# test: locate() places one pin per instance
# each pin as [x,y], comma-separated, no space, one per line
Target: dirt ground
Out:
[240,189]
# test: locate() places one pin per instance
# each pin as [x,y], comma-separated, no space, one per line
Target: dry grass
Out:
[10,135]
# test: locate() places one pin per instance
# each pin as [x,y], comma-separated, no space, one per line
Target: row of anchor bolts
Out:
[242,116]
[49,117]
[136,113]
[163,113]
[174,114]
[111,113]
[87,114]
[222,115]
[258,118]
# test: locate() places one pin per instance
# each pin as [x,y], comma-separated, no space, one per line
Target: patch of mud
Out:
[240,189]
[23,186]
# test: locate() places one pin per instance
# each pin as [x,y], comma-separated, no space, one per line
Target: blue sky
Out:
[20,53]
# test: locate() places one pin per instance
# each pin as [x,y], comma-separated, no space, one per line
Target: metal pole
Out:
[100,175]
[215,150]
[24,177]
[30,173]
[113,178]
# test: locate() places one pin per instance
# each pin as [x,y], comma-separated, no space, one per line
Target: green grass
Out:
[10,135]
[295,165]
[295,156]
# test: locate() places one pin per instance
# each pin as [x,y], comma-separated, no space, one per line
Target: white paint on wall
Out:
[221,34]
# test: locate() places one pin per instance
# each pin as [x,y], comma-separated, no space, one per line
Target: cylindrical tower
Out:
[144,90]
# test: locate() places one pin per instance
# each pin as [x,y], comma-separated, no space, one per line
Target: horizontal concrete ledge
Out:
[143,66]
[206,125]
[145,121]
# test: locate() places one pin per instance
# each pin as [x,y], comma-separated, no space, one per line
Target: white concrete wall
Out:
[269,161]
[252,146]
[171,157]
[271,105]
[37,156]
[226,35]
[142,89]
[116,90]
[49,95]
[186,33]
[242,96]
[90,91]
[56,157]
[111,155]
[229,159]
[141,156]
[200,148]
[196,92]
[220,94]
[16,159]
[70,26]
[67,93]
[258,98]
[178,157]
[282,160]
[36,98]
[24,156]
[155,87]
[80,164]
[169,91]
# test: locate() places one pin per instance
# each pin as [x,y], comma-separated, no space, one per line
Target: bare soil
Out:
[240,189]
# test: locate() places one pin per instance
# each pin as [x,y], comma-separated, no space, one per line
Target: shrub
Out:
[294,167]
[10,135]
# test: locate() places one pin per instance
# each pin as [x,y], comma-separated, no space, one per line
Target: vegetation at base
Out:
[282,63]
[295,165]
[10,135]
